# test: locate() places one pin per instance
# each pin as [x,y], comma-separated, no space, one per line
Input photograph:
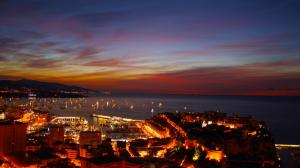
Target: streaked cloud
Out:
[200,47]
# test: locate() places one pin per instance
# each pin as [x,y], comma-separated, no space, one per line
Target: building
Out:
[57,134]
[32,159]
[104,162]
[92,138]
[13,137]
[33,147]
[72,153]
[2,115]
[88,152]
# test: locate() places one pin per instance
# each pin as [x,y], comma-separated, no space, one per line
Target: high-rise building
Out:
[92,138]
[12,137]
[57,134]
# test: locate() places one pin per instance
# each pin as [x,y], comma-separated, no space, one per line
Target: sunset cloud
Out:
[168,46]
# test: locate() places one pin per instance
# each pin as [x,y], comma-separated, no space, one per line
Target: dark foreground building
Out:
[12,137]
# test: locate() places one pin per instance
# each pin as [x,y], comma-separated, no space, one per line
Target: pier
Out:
[287,146]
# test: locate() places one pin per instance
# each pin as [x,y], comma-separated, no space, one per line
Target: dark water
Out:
[282,114]
[288,161]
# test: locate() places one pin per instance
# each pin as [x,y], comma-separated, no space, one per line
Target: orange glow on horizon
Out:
[149,81]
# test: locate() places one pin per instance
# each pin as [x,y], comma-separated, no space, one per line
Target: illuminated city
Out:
[149,84]
[185,139]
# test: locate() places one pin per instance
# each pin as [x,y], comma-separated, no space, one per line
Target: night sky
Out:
[232,47]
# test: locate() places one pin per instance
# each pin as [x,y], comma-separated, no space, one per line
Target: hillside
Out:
[20,88]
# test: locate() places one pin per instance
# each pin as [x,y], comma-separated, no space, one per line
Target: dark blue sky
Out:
[205,47]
